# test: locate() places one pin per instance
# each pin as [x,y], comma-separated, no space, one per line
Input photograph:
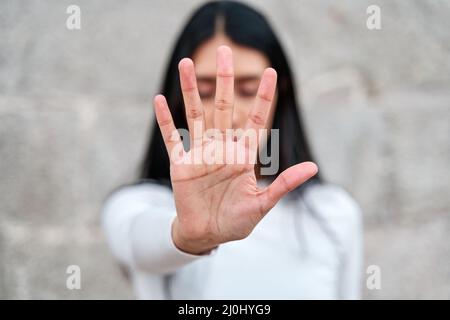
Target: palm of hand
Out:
[220,201]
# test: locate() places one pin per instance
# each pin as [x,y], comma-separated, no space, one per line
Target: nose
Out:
[235,123]
[238,116]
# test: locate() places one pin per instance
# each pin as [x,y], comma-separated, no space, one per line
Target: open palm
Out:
[218,200]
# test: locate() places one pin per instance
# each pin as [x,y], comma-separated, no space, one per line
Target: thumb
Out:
[287,181]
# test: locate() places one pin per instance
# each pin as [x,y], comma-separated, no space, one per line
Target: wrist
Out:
[188,245]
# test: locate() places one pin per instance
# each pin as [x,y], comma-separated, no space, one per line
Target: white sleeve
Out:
[137,221]
[352,264]
[344,218]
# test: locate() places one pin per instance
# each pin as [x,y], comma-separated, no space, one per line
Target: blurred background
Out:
[75,110]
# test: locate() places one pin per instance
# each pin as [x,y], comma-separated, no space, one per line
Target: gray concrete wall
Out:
[75,108]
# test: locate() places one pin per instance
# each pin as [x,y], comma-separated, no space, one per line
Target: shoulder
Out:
[144,192]
[335,206]
[332,199]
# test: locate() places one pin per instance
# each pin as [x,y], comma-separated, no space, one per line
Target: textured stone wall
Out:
[75,108]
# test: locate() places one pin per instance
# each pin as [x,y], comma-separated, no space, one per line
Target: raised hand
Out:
[219,201]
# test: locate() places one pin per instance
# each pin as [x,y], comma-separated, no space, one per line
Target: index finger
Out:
[259,114]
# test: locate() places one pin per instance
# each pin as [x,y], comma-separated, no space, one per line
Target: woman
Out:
[201,230]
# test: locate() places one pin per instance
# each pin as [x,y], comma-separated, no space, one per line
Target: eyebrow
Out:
[236,79]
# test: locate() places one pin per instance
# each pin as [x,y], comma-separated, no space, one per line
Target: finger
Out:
[223,111]
[258,115]
[287,181]
[192,101]
[169,133]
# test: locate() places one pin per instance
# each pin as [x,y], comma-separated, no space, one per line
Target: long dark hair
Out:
[244,26]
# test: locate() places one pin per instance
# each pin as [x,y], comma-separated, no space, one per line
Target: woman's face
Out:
[249,65]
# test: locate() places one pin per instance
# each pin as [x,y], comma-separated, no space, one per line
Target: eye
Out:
[206,90]
[206,94]
[247,89]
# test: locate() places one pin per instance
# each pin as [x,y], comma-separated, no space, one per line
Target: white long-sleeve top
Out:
[305,248]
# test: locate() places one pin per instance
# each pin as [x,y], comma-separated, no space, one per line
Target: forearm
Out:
[153,246]
[138,227]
